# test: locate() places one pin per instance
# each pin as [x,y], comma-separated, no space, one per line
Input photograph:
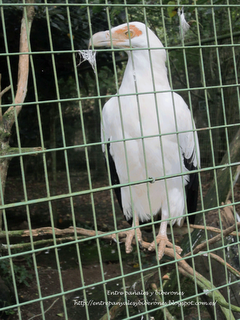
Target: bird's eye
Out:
[129,33]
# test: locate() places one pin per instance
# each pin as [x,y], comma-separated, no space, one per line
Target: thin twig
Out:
[224,263]
[213,240]
[4,91]
[213,229]
[38,243]
[40,314]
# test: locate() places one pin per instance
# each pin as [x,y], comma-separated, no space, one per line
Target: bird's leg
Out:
[131,233]
[161,240]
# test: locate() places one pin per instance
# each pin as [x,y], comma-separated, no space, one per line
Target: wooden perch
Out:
[71,230]
[121,236]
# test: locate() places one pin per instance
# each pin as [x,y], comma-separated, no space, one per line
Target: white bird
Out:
[148,131]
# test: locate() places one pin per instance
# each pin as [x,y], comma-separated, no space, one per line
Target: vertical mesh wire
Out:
[58,181]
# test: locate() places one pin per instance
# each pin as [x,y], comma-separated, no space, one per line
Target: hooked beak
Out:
[100,39]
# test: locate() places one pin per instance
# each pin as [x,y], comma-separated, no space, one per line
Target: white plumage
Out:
[148,123]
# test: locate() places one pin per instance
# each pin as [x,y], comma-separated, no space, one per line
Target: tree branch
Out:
[215,239]
[121,236]
[212,292]
[165,310]
[23,66]
[184,268]
[212,229]
[4,91]
[32,150]
[222,262]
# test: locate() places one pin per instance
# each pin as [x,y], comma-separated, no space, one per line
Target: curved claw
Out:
[114,238]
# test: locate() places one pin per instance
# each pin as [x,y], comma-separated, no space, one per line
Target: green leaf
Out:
[172,11]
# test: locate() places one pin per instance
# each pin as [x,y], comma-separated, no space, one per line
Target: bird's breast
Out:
[143,127]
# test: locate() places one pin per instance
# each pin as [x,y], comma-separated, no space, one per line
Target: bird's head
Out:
[136,35]
[128,35]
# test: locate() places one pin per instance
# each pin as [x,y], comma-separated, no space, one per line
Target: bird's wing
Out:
[106,140]
[189,146]
[188,139]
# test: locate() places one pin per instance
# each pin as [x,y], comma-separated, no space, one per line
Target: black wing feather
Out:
[114,176]
[191,188]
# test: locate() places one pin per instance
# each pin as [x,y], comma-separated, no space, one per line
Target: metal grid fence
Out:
[66,184]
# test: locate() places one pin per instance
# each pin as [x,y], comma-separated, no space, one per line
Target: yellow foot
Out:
[130,234]
[163,242]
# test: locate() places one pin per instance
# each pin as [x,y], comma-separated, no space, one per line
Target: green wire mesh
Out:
[57,177]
